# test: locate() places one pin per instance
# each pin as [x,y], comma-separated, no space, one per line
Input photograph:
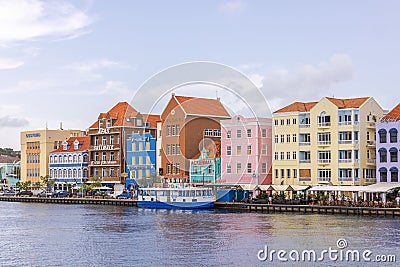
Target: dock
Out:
[88,201]
[309,209]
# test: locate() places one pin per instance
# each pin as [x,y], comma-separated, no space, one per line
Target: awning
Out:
[393,150]
[281,188]
[382,131]
[382,169]
[382,149]
[266,187]
[394,169]
[341,188]
[247,187]
[300,187]
[381,187]
[393,130]
[102,188]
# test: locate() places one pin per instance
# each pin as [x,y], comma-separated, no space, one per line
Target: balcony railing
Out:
[371,161]
[371,143]
[304,143]
[304,179]
[324,161]
[370,180]
[304,125]
[104,163]
[324,124]
[345,179]
[305,161]
[344,160]
[345,141]
[324,179]
[324,143]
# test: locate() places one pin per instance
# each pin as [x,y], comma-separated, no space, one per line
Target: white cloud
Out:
[232,6]
[8,121]
[308,82]
[7,63]
[95,65]
[22,20]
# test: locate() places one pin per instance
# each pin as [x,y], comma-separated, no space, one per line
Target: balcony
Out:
[324,179]
[324,143]
[371,125]
[324,124]
[345,142]
[104,163]
[371,143]
[370,180]
[304,125]
[304,143]
[324,161]
[305,179]
[345,160]
[345,179]
[371,161]
[349,123]
[305,161]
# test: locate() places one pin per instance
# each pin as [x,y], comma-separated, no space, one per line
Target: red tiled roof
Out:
[83,144]
[8,159]
[202,106]
[152,118]
[394,114]
[119,112]
[297,106]
[348,103]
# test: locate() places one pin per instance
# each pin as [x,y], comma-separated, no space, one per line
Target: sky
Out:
[67,61]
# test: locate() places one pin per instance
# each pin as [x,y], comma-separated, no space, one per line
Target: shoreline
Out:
[234,206]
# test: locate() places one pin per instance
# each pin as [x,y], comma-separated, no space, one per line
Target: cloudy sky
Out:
[69,60]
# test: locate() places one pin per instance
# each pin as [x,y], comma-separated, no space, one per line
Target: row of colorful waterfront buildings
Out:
[195,140]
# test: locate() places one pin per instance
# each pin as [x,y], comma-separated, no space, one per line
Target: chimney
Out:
[61,128]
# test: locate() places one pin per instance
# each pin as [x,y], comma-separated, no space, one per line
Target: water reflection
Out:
[63,235]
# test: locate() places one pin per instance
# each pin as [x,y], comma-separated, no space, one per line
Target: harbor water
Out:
[35,234]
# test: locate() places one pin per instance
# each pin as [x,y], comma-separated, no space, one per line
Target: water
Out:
[80,235]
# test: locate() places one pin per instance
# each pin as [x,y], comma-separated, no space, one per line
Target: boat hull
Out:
[175,205]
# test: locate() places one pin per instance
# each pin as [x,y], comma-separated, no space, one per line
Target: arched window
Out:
[60,159]
[85,158]
[80,173]
[75,173]
[394,174]
[393,154]
[75,158]
[324,119]
[60,173]
[65,173]
[382,154]
[70,159]
[65,159]
[69,173]
[51,171]
[382,135]
[51,159]
[85,173]
[79,158]
[383,174]
[393,135]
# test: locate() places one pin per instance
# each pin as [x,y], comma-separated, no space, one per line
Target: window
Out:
[393,135]
[178,168]
[238,133]
[324,175]
[383,174]
[217,133]
[276,139]
[282,155]
[172,149]
[264,149]
[294,138]
[324,156]
[324,138]
[108,123]
[238,167]
[382,135]
[168,149]
[382,155]
[111,139]
[288,173]
[168,130]
[104,156]
[294,121]
[287,121]
[178,130]
[294,173]
[263,167]
[238,150]
[249,150]
[249,133]
[173,130]
[288,155]
[294,155]
[282,122]
[100,123]
[264,133]
[394,174]
[96,140]
[249,169]
[228,168]
[324,119]
[228,150]
[169,168]
[112,155]
[282,173]
[104,140]
[288,138]
[276,122]
[112,173]
[393,154]
[228,134]
[345,174]
[276,156]
[178,149]
[276,173]
[282,138]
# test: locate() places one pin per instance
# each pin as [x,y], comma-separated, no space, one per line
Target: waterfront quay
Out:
[281,208]
[88,201]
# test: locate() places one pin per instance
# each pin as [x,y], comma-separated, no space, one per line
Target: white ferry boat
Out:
[176,198]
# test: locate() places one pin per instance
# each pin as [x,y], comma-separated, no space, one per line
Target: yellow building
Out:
[327,142]
[35,148]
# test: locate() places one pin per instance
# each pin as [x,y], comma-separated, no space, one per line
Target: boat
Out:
[176,198]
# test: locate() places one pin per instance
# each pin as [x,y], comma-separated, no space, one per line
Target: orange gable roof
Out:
[83,144]
[202,106]
[152,119]
[119,112]
[297,106]
[394,114]
[348,103]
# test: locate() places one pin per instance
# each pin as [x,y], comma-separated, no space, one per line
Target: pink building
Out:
[246,151]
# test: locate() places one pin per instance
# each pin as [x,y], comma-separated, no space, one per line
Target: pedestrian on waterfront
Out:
[270,199]
[398,201]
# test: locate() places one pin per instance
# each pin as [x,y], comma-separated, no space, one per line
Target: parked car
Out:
[8,193]
[25,193]
[61,194]
[45,194]
[124,195]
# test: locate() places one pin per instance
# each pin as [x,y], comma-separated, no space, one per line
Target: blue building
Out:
[205,169]
[140,160]
[68,164]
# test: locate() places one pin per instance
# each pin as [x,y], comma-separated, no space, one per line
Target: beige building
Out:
[35,149]
[327,142]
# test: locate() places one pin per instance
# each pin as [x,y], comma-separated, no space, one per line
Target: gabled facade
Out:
[388,146]
[327,142]
[69,163]
[108,135]
[246,152]
[185,122]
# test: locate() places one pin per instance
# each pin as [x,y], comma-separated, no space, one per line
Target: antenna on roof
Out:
[46,126]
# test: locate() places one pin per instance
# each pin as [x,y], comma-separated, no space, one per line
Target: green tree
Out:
[48,182]
[24,185]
